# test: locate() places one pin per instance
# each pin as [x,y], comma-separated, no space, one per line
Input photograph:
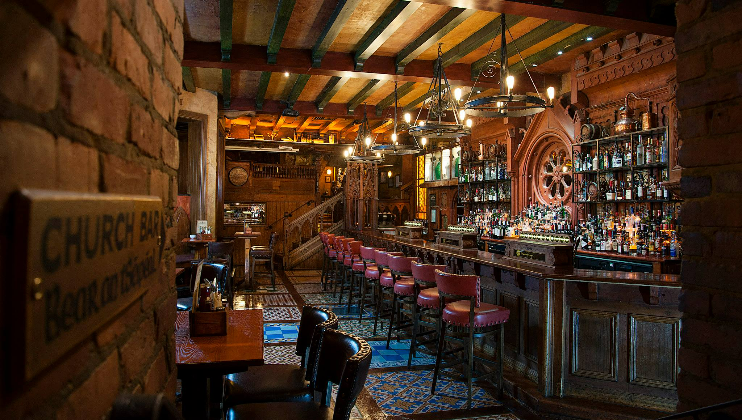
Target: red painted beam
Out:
[295,61]
[631,15]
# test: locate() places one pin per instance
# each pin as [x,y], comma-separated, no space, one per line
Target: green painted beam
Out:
[573,41]
[372,86]
[389,100]
[225,28]
[288,86]
[526,41]
[416,102]
[265,78]
[340,15]
[331,89]
[280,23]
[226,87]
[298,87]
[433,34]
[188,83]
[383,29]
[477,39]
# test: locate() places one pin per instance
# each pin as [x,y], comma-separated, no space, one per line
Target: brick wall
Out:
[88,102]
[710,99]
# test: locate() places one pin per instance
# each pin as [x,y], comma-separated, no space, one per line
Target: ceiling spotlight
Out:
[462,115]
[286,74]
[424,141]
[407,117]
[469,123]
[329,171]
[457,94]
[534,65]
[589,38]
[560,52]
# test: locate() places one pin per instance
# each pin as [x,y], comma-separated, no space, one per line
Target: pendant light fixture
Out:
[507,104]
[440,103]
[396,147]
[362,147]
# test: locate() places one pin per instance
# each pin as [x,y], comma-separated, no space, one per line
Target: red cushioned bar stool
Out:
[351,255]
[340,247]
[326,239]
[382,270]
[360,268]
[332,254]
[403,291]
[426,306]
[465,316]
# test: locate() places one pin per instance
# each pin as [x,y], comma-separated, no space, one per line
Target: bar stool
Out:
[264,253]
[352,254]
[403,285]
[337,246]
[359,268]
[342,249]
[382,269]
[468,318]
[426,303]
[323,236]
[331,256]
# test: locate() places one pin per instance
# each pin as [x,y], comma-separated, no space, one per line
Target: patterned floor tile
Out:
[281,314]
[342,311]
[355,414]
[300,280]
[396,355]
[365,328]
[304,273]
[242,301]
[408,392]
[281,355]
[308,288]
[280,333]
[319,298]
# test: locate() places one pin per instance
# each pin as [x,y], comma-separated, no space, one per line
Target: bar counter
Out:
[608,336]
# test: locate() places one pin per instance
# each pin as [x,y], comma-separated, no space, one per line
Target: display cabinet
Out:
[241,213]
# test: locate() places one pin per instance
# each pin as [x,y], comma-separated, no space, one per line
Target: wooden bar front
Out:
[608,336]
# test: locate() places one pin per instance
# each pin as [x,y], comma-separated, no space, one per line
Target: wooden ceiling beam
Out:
[188,83]
[383,29]
[486,34]
[372,86]
[337,20]
[297,88]
[630,15]
[383,127]
[306,108]
[280,23]
[389,100]
[542,32]
[225,28]
[304,125]
[265,78]
[297,61]
[433,34]
[329,91]
[278,124]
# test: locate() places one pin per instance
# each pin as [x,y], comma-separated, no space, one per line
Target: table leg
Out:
[248,277]
[216,392]
[195,393]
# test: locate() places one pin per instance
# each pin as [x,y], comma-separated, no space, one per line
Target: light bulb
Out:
[378,154]
[469,123]
[286,74]
[329,171]
[394,137]
[345,153]
[407,117]
[499,104]
[550,93]
[389,174]
[350,150]
[462,115]
[457,94]
[421,123]
[510,81]
[368,141]
[424,141]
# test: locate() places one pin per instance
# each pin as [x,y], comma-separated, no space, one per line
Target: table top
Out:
[196,241]
[220,355]
[246,235]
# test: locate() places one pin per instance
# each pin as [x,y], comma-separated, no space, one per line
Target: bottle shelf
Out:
[487,181]
[622,137]
[669,200]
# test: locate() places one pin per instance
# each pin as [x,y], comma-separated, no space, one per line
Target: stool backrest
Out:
[381,257]
[330,239]
[400,263]
[425,273]
[272,242]
[313,319]
[338,242]
[354,247]
[344,359]
[458,286]
[367,253]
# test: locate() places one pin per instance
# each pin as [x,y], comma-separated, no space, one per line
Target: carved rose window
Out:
[555,178]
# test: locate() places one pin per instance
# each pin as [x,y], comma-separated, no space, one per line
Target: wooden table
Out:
[200,359]
[201,246]
[247,237]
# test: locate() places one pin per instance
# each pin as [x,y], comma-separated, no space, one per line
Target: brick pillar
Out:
[88,102]
[709,98]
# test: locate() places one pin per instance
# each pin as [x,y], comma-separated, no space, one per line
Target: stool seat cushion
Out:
[428,298]
[457,313]
[332,253]
[387,280]
[281,411]
[405,287]
[372,272]
[349,259]
[261,253]
[360,266]
[267,383]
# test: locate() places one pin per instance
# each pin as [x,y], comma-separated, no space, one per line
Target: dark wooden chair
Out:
[209,271]
[264,254]
[270,383]
[221,253]
[343,359]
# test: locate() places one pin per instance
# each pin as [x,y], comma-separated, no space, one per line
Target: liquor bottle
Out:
[639,189]
[619,190]
[627,154]
[640,151]
[649,152]
[606,160]
[663,149]
[673,246]
[595,162]
[617,157]
[627,188]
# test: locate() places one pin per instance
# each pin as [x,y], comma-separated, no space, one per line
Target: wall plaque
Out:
[79,260]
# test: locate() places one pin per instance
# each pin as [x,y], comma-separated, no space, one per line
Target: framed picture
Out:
[433,215]
[328,178]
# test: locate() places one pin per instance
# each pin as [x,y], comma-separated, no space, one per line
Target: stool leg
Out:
[379,300]
[273,273]
[252,273]
[391,319]
[415,327]
[335,280]
[438,356]
[470,366]
[500,356]
[362,291]
[322,276]
[351,280]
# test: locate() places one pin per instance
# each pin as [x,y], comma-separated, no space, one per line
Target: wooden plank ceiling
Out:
[331,60]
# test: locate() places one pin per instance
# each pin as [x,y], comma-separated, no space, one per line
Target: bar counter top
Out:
[565,273]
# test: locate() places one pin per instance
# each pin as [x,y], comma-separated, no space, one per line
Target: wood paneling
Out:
[595,344]
[533,330]
[652,339]
[512,327]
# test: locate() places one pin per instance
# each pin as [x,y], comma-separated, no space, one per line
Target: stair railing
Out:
[308,216]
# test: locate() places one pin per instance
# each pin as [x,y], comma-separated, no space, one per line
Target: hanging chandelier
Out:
[439,103]
[395,148]
[507,104]
[361,150]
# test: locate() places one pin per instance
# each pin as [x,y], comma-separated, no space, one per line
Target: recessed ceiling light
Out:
[286,74]
[534,64]
[559,52]
[589,38]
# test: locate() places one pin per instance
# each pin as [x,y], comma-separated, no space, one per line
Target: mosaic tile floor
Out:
[308,288]
[281,314]
[281,355]
[408,392]
[280,333]
[396,355]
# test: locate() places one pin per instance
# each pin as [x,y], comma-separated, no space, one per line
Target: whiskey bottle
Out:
[649,152]
[640,151]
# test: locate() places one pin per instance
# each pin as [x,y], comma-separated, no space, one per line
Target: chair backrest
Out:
[458,286]
[354,247]
[144,407]
[425,273]
[367,253]
[344,360]
[337,244]
[272,242]
[221,249]
[306,344]
[400,263]
[209,271]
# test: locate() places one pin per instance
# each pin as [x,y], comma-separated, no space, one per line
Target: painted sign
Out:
[82,258]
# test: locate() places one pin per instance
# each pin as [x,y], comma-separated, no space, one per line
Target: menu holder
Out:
[204,323]
[205,236]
